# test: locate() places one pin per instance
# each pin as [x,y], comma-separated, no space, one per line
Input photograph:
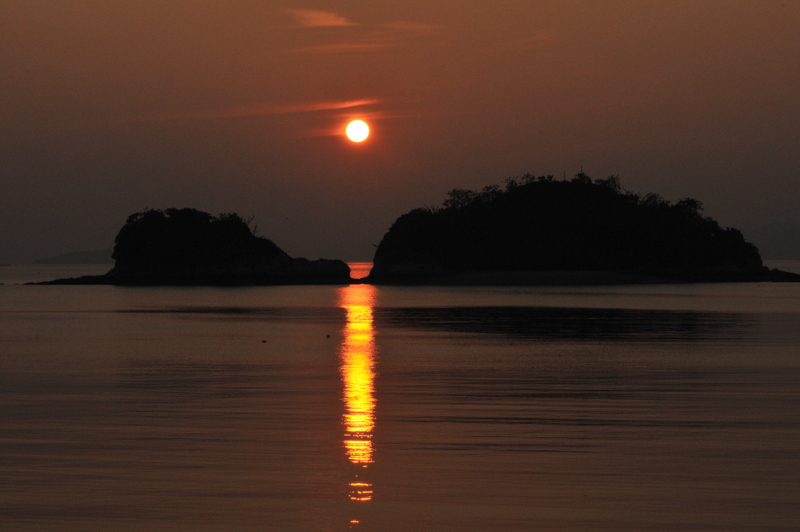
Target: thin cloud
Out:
[268,109]
[237,112]
[312,18]
[338,121]
[263,109]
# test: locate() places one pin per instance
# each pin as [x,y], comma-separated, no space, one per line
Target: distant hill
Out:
[544,225]
[96,256]
[779,240]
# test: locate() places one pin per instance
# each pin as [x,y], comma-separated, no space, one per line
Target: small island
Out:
[539,231]
[190,247]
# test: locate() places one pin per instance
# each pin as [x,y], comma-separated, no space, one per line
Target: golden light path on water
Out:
[357,366]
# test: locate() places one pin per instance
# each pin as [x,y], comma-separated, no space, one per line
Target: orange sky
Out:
[110,107]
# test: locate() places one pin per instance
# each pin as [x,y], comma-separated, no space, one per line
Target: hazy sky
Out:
[110,107]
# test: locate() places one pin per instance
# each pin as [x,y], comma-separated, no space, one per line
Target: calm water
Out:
[457,409]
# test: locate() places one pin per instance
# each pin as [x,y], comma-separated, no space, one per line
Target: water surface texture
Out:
[400,408]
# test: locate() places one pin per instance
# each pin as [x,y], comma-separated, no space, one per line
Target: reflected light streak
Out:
[357,366]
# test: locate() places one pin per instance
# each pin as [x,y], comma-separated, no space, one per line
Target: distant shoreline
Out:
[513,278]
[105,280]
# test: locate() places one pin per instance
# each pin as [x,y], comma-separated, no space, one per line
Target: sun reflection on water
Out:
[357,366]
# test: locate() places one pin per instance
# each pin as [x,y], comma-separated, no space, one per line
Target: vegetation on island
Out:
[543,224]
[191,247]
[181,242]
[581,231]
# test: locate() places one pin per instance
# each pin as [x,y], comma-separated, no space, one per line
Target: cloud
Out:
[236,112]
[312,18]
[271,109]
[337,121]
[261,110]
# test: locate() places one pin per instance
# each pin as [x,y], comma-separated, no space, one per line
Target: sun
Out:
[357,131]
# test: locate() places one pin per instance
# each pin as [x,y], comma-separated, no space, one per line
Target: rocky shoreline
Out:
[533,278]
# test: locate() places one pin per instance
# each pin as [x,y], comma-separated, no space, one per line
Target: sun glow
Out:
[357,131]
[357,366]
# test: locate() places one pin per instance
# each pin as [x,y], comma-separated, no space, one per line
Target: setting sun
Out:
[357,131]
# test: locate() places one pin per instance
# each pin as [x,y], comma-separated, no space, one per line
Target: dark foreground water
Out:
[389,409]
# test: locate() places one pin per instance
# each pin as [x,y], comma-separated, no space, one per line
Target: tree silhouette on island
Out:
[535,230]
[191,247]
[588,231]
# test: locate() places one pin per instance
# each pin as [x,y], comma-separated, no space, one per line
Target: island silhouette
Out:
[191,247]
[531,231]
[538,230]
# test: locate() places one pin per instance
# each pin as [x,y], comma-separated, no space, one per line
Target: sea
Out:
[378,408]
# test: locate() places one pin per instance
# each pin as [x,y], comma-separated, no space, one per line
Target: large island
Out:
[538,230]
